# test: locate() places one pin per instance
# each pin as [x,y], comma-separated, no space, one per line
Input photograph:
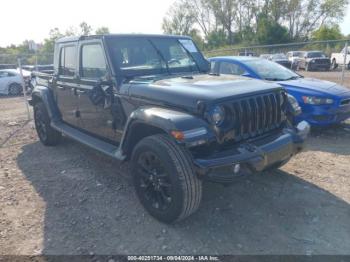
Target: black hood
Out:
[187,91]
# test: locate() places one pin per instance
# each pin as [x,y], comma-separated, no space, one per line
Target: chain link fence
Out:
[336,72]
[24,64]
[28,60]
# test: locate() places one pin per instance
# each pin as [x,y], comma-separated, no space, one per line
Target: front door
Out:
[95,114]
[66,83]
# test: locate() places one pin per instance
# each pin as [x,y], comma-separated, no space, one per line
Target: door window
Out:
[93,63]
[231,69]
[67,61]
[3,74]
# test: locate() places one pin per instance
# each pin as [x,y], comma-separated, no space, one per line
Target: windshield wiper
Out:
[190,55]
[273,79]
[292,78]
[160,55]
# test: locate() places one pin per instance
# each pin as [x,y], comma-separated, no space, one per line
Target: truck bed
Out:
[42,78]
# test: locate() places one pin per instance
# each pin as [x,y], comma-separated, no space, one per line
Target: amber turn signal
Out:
[178,135]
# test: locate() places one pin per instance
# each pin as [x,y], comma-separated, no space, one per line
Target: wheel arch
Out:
[149,121]
[45,95]
[137,131]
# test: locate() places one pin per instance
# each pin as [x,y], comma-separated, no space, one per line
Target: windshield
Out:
[279,56]
[316,54]
[271,71]
[138,56]
[296,54]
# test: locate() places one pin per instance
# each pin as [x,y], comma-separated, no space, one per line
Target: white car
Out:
[10,82]
[294,58]
[338,59]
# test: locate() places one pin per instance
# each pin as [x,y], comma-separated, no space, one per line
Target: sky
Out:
[35,18]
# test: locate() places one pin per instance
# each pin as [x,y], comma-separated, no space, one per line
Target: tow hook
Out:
[303,129]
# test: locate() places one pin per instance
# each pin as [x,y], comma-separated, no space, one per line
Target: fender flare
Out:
[167,120]
[45,95]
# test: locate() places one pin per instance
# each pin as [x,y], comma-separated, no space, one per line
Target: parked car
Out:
[27,75]
[338,59]
[322,102]
[294,57]
[313,60]
[281,59]
[10,82]
[8,66]
[149,99]
[39,68]
[265,56]
[247,53]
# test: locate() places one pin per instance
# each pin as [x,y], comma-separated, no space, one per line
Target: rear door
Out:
[66,83]
[95,118]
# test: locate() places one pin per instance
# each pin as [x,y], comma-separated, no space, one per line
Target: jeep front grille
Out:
[256,115]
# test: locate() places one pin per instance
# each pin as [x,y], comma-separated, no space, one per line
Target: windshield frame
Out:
[195,56]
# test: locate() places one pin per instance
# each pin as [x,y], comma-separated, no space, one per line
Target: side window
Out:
[3,74]
[67,61]
[231,69]
[11,74]
[93,64]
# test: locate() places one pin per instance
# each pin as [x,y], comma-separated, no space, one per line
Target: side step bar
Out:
[90,141]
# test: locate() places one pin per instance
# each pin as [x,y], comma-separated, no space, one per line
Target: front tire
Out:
[47,135]
[15,89]
[164,179]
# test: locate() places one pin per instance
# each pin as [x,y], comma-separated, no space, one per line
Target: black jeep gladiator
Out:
[149,99]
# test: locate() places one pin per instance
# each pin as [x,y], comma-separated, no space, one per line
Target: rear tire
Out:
[47,135]
[15,89]
[307,68]
[334,65]
[164,179]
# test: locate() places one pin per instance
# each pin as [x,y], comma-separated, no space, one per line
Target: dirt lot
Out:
[334,76]
[72,200]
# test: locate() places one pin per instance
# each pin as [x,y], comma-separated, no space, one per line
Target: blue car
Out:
[322,102]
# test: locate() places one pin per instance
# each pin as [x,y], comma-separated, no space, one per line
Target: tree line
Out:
[215,23]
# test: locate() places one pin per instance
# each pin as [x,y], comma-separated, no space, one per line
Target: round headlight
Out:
[217,115]
[294,103]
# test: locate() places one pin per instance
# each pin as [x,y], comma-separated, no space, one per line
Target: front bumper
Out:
[252,156]
[315,66]
[323,115]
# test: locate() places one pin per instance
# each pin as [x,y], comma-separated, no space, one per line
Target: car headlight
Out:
[217,115]
[294,103]
[314,100]
[312,61]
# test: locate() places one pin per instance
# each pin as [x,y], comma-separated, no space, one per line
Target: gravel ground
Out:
[72,200]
